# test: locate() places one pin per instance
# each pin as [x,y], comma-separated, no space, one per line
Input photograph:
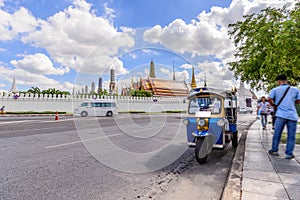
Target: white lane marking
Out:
[36,121]
[81,141]
[30,129]
[14,122]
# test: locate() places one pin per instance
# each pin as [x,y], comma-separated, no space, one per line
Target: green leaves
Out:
[267,44]
[141,93]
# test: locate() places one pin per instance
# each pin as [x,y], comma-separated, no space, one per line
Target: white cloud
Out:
[149,51]
[33,80]
[147,72]
[179,75]
[133,55]
[109,12]
[186,66]
[38,64]
[128,30]
[79,39]
[1,3]
[21,21]
[200,38]
[208,33]
[216,76]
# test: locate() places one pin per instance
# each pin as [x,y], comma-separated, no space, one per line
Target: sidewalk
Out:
[265,176]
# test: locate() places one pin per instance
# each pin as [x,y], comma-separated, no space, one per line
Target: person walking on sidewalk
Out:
[264,108]
[284,98]
[272,113]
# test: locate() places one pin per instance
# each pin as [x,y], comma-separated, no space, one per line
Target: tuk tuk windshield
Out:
[210,103]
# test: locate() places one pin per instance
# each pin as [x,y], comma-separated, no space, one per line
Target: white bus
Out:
[96,108]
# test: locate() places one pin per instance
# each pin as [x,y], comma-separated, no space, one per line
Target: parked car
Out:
[96,108]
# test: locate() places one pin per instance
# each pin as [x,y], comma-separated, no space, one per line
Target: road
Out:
[125,157]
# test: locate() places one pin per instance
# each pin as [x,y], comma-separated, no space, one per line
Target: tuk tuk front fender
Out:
[198,133]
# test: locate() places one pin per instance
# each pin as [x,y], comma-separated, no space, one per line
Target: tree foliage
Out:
[268,44]
[51,91]
[103,92]
[141,93]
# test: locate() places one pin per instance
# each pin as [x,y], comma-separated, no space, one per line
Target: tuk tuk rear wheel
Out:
[235,139]
[199,145]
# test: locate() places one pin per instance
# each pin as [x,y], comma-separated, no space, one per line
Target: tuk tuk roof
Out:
[209,91]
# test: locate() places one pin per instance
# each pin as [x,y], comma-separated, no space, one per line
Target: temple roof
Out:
[160,87]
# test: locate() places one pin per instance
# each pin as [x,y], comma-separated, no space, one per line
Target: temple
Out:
[160,87]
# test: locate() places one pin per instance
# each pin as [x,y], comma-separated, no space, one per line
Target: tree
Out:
[103,92]
[141,93]
[55,92]
[34,90]
[267,44]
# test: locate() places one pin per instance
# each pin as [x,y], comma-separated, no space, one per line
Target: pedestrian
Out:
[263,107]
[284,98]
[272,113]
[2,110]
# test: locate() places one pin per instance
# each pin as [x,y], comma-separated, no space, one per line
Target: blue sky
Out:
[68,44]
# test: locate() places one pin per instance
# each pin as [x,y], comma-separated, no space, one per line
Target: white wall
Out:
[68,103]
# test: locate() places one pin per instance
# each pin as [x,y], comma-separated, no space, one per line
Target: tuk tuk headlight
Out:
[221,122]
[201,122]
[186,121]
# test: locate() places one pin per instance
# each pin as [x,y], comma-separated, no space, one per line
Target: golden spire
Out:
[193,83]
[141,83]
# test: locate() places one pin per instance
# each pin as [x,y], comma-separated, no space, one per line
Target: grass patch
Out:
[284,138]
[173,111]
[132,112]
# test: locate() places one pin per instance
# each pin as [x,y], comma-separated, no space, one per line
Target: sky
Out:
[68,44]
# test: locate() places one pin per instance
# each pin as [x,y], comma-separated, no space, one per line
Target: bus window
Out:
[103,104]
[84,104]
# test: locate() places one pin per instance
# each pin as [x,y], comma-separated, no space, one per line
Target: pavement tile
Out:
[280,160]
[262,166]
[293,191]
[255,156]
[266,137]
[253,136]
[255,196]
[254,146]
[287,169]
[264,188]
[290,179]
[266,176]
[261,175]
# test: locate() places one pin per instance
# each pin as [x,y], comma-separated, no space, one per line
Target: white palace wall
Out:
[67,103]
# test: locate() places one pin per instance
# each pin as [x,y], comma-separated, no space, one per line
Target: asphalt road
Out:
[125,157]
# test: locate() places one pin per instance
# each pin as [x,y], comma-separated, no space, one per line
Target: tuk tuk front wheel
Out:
[201,159]
[235,139]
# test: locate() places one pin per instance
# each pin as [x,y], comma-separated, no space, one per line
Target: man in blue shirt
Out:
[286,114]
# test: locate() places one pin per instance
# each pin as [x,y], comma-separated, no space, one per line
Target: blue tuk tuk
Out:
[211,121]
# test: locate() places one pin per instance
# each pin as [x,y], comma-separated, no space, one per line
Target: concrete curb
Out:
[233,185]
